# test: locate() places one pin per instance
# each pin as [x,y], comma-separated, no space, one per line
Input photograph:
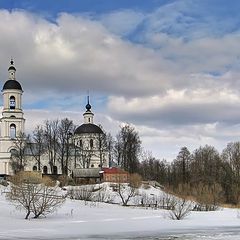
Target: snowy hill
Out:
[94,220]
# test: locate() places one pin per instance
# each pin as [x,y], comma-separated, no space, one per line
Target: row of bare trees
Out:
[50,140]
[54,140]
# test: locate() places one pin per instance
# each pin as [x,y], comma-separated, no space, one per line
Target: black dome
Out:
[88,128]
[12,84]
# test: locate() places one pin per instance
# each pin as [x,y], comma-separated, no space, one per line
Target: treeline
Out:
[204,173]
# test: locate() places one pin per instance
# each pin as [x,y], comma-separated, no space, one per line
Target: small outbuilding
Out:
[86,175]
[115,174]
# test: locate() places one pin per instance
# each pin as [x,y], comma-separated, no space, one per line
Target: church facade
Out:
[86,142]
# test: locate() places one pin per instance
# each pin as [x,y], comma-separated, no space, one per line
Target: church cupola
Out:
[12,83]
[88,115]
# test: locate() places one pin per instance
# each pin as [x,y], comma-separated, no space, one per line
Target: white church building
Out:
[12,122]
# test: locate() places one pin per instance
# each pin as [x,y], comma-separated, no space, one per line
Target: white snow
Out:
[80,220]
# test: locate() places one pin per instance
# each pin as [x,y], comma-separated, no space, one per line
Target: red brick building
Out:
[114,174]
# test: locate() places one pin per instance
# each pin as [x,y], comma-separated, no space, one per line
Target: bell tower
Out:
[12,121]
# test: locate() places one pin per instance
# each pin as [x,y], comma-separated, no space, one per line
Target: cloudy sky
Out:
[169,67]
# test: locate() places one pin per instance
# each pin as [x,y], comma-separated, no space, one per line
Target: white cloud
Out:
[179,107]
[77,53]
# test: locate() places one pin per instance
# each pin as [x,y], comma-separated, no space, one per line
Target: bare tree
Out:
[110,148]
[128,148]
[47,201]
[206,165]
[29,192]
[37,145]
[64,131]
[76,152]
[128,190]
[51,138]
[183,159]
[102,147]
[19,152]
[22,193]
[182,208]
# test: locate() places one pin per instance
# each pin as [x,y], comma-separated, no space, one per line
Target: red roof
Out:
[113,170]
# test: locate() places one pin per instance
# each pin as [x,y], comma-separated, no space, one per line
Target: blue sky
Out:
[171,68]
[53,7]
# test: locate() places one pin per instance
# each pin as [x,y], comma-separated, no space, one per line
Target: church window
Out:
[89,120]
[91,143]
[55,170]
[45,170]
[34,168]
[92,165]
[12,102]
[13,152]
[12,131]
[80,143]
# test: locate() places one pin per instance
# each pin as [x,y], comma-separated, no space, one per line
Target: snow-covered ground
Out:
[78,220]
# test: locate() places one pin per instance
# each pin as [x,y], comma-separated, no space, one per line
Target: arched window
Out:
[14,152]
[12,131]
[45,170]
[55,170]
[80,143]
[91,143]
[12,102]
[34,168]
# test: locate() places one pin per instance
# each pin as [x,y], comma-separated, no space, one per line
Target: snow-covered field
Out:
[78,220]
